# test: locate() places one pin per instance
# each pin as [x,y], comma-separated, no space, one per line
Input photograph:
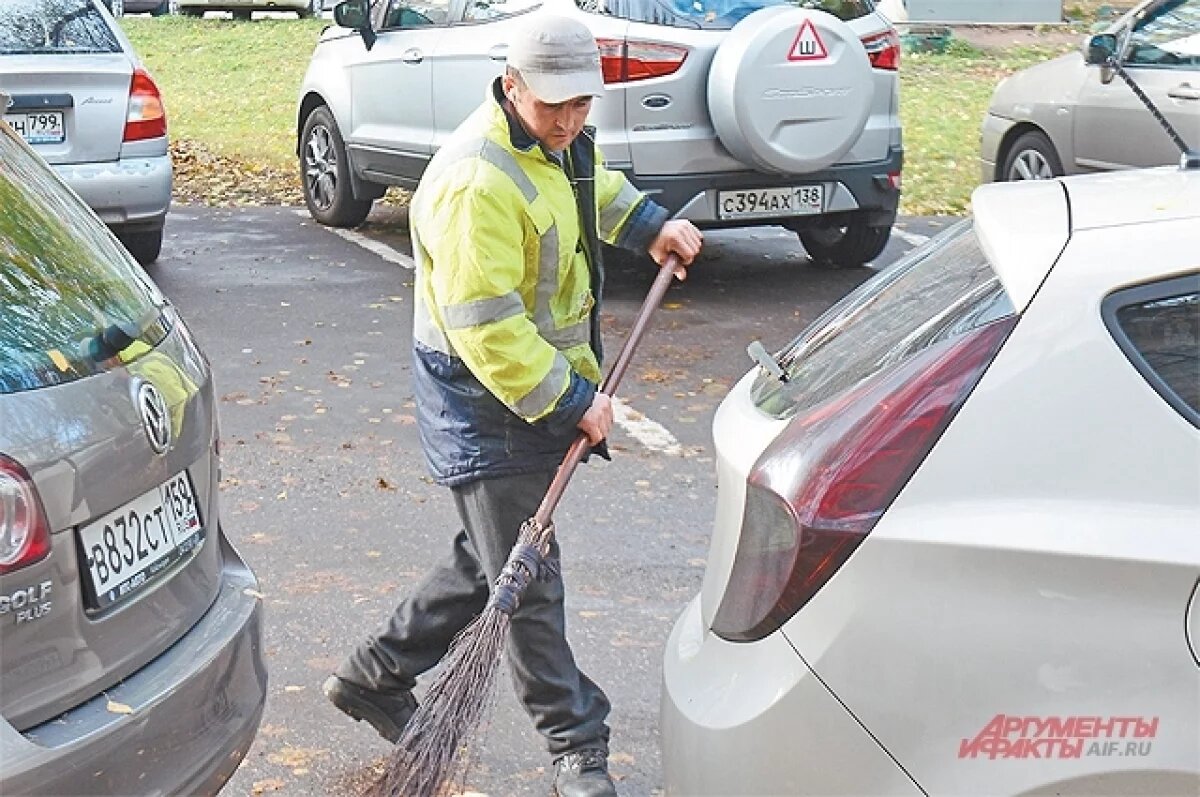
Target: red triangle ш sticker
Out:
[808,45]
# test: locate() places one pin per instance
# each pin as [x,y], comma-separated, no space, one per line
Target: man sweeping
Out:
[507,225]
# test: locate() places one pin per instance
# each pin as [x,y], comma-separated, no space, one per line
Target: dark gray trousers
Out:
[565,705]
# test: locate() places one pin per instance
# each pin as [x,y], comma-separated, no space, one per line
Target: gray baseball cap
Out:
[558,58]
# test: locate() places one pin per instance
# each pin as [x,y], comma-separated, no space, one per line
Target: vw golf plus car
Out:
[767,112]
[130,653]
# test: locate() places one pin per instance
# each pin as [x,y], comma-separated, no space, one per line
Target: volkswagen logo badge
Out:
[155,418]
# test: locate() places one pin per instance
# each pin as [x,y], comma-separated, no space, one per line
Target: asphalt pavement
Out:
[325,492]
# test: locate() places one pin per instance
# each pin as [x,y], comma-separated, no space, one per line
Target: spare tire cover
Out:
[790,90]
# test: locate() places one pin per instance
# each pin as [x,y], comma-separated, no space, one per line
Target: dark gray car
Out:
[120,8]
[130,652]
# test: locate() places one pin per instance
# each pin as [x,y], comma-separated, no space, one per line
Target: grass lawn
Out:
[943,99]
[230,90]
[230,85]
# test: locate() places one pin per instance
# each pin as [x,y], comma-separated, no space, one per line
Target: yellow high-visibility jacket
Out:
[508,278]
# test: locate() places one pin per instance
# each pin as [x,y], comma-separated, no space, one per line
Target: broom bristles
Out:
[453,708]
[449,714]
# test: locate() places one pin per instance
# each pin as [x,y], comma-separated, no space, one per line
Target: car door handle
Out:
[1184,92]
[412,56]
[499,52]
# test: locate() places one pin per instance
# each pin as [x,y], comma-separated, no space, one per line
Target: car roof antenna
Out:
[1102,51]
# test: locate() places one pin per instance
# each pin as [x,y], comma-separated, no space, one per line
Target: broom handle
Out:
[581,445]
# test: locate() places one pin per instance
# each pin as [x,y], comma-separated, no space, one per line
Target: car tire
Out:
[311,10]
[242,14]
[144,246]
[192,12]
[325,173]
[846,246]
[1031,157]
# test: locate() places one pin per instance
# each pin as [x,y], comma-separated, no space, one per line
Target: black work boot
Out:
[387,712]
[583,773]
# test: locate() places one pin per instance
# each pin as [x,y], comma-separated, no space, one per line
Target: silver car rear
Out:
[80,97]
[129,629]
[90,92]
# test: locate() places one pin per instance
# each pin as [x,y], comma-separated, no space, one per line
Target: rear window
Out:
[714,14]
[937,295]
[74,301]
[1158,328]
[33,27]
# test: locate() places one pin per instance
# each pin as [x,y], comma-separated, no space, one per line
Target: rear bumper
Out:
[751,718]
[130,193]
[195,711]
[855,187]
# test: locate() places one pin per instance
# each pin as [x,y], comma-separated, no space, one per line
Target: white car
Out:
[729,113]
[957,537]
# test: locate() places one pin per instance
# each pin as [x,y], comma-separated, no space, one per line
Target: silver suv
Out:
[731,114]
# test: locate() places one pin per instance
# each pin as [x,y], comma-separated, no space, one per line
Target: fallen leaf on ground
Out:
[295,756]
[268,785]
[118,708]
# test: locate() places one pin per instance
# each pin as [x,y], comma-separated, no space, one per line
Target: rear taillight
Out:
[24,532]
[145,117]
[626,61]
[884,50]
[821,486]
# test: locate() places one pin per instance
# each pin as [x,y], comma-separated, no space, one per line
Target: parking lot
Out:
[909,537]
[326,495]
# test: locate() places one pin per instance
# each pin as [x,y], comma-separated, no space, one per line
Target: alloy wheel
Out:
[320,167]
[1030,165]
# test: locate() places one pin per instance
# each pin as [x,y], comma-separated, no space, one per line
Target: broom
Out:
[458,698]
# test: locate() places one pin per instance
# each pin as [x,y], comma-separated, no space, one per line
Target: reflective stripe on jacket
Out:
[506,325]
